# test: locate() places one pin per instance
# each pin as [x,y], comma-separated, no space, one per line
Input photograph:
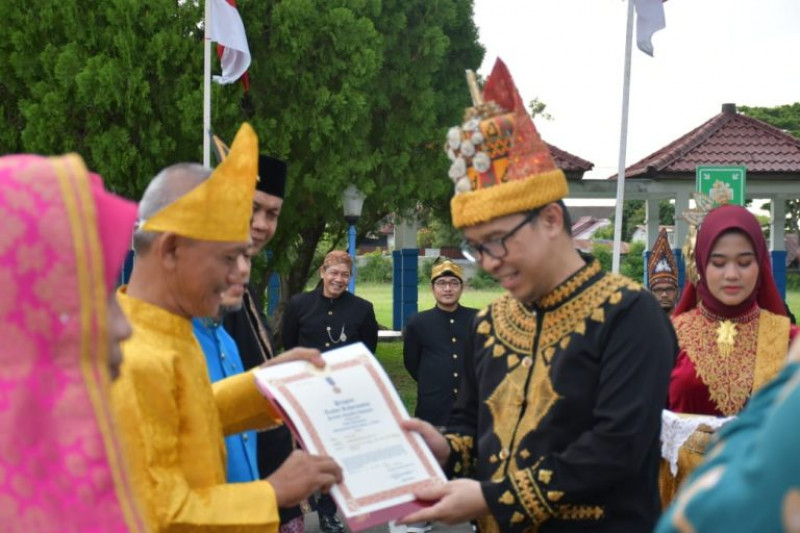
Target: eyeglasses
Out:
[496,247]
[442,283]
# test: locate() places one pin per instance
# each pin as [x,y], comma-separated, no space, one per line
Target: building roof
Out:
[572,165]
[728,138]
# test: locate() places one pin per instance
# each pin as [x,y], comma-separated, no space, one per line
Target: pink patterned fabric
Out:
[60,463]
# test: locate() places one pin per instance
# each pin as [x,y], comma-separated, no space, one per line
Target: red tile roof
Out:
[729,138]
[572,165]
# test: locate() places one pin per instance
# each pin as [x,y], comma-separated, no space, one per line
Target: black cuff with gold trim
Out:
[461,462]
[530,498]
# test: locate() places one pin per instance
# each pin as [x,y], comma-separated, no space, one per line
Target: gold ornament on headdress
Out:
[220,208]
[446,266]
[703,206]
[500,165]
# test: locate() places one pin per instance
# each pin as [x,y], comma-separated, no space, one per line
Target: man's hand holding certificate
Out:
[351,412]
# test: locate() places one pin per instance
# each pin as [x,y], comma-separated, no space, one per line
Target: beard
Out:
[230,308]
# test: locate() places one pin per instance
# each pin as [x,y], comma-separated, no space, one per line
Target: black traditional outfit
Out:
[253,336]
[559,413]
[313,321]
[433,353]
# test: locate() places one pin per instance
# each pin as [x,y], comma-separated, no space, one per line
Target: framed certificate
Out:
[351,412]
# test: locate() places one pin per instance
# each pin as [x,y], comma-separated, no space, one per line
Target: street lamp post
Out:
[352,202]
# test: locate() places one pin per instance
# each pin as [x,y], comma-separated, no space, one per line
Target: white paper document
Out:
[351,411]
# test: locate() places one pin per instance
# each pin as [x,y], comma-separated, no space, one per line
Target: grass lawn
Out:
[390,354]
[380,294]
[793,299]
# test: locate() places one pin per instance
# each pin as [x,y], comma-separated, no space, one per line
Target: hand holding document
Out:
[351,412]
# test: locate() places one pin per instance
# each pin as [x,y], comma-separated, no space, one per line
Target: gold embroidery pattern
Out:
[507,498]
[568,318]
[580,512]
[514,325]
[506,401]
[545,476]
[773,338]
[568,288]
[557,325]
[729,379]
[461,445]
[554,495]
[530,495]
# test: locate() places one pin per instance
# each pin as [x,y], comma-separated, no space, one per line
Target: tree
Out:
[787,118]
[348,91]
[117,81]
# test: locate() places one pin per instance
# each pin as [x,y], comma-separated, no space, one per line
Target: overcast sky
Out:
[570,54]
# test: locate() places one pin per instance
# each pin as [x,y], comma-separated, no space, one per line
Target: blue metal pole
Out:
[352,286]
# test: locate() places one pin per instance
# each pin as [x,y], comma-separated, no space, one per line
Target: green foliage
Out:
[348,91]
[604,255]
[482,280]
[438,233]
[606,232]
[377,268]
[632,265]
[785,117]
[793,281]
[424,271]
[116,81]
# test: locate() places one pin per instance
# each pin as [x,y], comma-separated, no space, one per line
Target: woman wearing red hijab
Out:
[733,334]
[732,326]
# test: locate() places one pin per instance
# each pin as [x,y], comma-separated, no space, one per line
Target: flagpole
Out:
[207,86]
[623,141]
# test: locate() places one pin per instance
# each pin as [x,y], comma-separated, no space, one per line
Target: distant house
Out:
[585,227]
[640,234]
[586,245]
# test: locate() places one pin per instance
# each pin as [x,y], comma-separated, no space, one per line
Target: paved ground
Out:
[312,526]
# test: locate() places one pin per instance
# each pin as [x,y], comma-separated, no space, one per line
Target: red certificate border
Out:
[354,505]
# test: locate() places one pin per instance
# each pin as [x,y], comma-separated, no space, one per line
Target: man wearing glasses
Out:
[433,352]
[434,342]
[556,426]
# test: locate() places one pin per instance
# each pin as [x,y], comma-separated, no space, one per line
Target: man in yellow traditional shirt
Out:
[192,236]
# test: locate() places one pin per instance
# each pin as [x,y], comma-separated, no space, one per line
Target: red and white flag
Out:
[649,19]
[226,29]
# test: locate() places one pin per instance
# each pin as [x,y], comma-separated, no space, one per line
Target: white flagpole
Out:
[207,86]
[623,141]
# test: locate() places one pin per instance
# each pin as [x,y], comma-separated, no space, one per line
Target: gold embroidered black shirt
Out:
[560,409]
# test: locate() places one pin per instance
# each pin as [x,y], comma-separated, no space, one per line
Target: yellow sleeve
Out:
[241,405]
[182,484]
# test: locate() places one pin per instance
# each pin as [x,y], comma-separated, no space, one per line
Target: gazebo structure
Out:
[771,156]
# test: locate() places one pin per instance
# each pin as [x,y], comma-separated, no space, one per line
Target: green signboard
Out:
[724,185]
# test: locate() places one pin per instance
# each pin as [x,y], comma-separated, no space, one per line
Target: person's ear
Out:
[552,218]
[167,247]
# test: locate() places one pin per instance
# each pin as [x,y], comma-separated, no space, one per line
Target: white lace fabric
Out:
[677,428]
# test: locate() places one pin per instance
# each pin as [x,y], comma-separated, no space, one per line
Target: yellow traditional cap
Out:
[220,208]
[500,164]
[446,268]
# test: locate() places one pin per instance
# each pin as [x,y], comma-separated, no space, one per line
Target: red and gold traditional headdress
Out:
[500,165]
